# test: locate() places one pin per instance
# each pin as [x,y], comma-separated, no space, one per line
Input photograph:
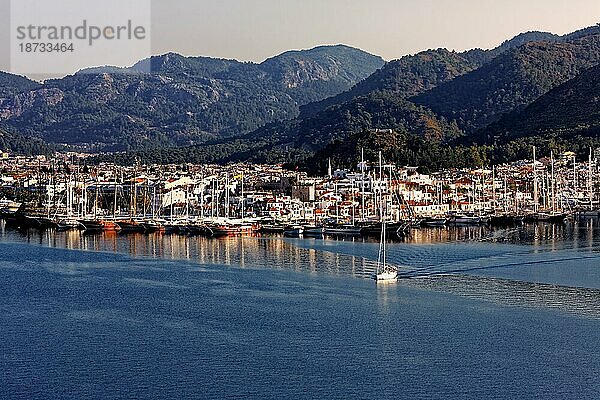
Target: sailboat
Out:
[68,221]
[385,273]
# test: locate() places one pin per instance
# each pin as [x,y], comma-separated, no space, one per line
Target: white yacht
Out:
[9,207]
[385,273]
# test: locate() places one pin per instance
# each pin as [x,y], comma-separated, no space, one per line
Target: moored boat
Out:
[67,224]
[9,207]
[548,217]
[99,225]
[463,219]
[434,221]
[130,226]
[154,225]
[343,230]
[293,230]
[506,220]
[229,229]
[272,228]
[313,230]
[385,272]
[374,229]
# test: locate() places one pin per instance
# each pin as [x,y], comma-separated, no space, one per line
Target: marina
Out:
[240,199]
[120,251]
[300,200]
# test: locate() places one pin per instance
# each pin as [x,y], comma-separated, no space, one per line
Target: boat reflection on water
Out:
[238,251]
[584,233]
[457,263]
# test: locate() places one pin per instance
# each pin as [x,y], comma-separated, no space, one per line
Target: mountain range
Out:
[437,108]
[182,101]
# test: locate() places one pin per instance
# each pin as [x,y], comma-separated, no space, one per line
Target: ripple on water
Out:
[580,301]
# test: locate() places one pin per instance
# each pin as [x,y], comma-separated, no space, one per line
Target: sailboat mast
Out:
[187,203]
[242,198]
[115,196]
[96,195]
[506,195]
[227,196]
[382,255]
[202,187]
[154,200]
[494,188]
[552,181]
[362,179]
[171,201]
[535,185]
[590,185]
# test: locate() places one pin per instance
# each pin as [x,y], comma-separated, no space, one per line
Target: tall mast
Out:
[590,184]
[506,195]
[362,178]
[535,185]
[380,189]
[202,187]
[552,181]
[115,196]
[227,196]
[352,202]
[216,196]
[171,201]
[154,200]
[187,203]
[494,188]
[48,189]
[69,199]
[134,211]
[84,212]
[242,198]
[337,204]
[382,255]
[575,180]
[212,199]
[96,196]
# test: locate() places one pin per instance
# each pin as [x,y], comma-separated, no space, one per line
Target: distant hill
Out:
[378,109]
[569,110]
[511,81]
[183,101]
[437,107]
[415,74]
[402,94]
[481,57]
[436,103]
[12,142]
[11,85]
[407,77]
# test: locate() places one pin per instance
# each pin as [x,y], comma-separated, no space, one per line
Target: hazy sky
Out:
[257,29]
[253,30]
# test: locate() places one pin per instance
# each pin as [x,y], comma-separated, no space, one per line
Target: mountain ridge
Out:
[185,100]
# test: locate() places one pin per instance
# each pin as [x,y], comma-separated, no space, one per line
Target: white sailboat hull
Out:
[388,276]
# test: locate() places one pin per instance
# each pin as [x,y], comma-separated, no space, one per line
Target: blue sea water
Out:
[160,317]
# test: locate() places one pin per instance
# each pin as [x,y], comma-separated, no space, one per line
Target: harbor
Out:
[64,193]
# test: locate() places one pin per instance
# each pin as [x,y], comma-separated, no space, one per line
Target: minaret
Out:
[329,171]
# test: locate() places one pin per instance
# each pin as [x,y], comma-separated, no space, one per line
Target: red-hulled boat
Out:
[99,225]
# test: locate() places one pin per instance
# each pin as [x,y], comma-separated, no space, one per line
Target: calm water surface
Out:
[503,314]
